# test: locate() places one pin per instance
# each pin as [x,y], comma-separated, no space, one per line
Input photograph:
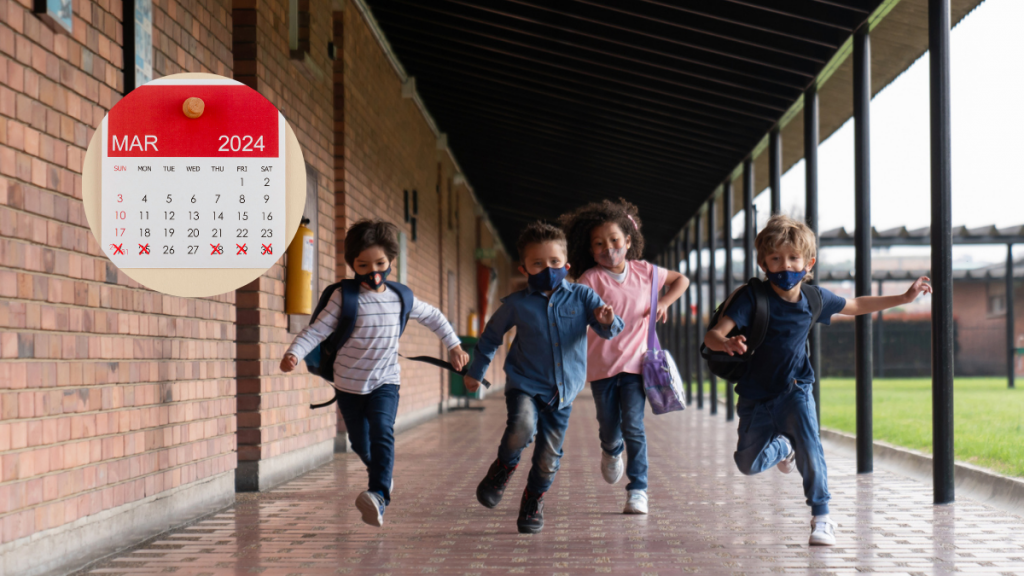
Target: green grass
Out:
[988,417]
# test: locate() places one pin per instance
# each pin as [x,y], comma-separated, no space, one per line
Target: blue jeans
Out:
[790,414]
[620,404]
[529,415]
[370,419]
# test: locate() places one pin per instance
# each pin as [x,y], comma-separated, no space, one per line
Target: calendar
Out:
[193,176]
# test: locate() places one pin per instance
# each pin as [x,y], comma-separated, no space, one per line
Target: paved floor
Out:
[705,517]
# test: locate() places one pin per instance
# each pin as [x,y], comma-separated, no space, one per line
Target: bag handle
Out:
[652,336]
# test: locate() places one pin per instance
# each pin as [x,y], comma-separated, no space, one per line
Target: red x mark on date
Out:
[117,248]
[217,249]
[241,249]
[143,249]
[267,249]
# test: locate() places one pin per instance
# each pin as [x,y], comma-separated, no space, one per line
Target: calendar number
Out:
[168,198]
[193,249]
[267,233]
[217,199]
[240,143]
[266,181]
[120,198]
[243,215]
[168,231]
[193,198]
[217,233]
[268,215]
[193,232]
[218,215]
[118,231]
[266,198]
[119,215]
[193,214]
[168,249]
[144,214]
[169,215]
[241,198]
[242,233]
[145,198]
[144,232]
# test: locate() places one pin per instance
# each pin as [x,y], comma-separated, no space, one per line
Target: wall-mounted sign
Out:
[193,176]
[58,14]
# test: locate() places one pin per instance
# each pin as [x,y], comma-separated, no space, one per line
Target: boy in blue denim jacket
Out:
[778,423]
[546,367]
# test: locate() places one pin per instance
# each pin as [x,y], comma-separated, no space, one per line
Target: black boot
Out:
[492,487]
[531,513]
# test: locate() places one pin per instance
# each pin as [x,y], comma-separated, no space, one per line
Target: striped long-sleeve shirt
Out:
[369,359]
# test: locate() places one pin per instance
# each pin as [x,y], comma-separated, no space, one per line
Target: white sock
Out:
[822,518]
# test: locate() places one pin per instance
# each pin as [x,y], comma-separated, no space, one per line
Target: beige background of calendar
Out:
[197,282]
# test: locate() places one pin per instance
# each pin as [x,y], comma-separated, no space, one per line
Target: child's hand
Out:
[663,313]
[472,384]
[605,315]
[917,288]
[735,345]
[458,357]
[288,363]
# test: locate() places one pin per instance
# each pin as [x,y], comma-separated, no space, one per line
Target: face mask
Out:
[611,258]
[786,280]
[547,279]
[374,279]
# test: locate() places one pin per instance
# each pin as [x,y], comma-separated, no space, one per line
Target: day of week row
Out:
[172,168]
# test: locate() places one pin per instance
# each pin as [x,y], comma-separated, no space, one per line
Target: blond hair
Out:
[780,231]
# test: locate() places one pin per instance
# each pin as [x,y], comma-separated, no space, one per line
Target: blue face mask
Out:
[548,278]
[373,280]
[786,280]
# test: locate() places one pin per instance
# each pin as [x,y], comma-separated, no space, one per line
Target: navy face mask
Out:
[548,278]
[786,280]
[373,280]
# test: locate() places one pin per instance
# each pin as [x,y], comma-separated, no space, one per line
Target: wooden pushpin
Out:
[193,107]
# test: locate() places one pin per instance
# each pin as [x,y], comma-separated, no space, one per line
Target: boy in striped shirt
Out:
[366,370]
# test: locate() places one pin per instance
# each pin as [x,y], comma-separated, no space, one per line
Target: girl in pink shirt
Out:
[605,246]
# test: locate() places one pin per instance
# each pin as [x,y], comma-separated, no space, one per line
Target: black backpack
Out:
[732,368]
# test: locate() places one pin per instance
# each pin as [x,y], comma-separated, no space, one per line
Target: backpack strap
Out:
[814,301]
[762,314]
[407,301]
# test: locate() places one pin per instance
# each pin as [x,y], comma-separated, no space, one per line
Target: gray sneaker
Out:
[371,506]
[788,464]
[611,467]
[823,533]
[636,503]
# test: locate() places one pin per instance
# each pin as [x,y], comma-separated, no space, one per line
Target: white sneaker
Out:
[371,506]
[392,488]
[788,464]
[823,532]
[636,503]
[611,467]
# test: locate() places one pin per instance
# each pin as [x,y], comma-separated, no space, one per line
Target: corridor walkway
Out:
[705,517]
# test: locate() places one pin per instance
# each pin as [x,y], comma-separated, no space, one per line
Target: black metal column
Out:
[748,219]
[880,344]
[688,343]
[1011,347]
[712,296]
[811,130]
[730,408]
[862,241]
[775,169]
[698,237]
[942,253]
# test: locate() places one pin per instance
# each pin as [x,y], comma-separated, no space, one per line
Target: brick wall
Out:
[273,408]
[110,393]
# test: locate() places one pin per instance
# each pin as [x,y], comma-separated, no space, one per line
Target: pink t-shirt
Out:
[632,301]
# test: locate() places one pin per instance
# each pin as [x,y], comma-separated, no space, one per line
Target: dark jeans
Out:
[370,419]
[790,414]
[620,404]
[529,415]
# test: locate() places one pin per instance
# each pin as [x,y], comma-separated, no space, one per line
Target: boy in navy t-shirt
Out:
[778,425]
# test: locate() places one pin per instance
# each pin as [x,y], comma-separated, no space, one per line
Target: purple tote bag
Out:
[662,383]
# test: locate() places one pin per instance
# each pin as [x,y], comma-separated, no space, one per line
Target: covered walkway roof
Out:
[552,103]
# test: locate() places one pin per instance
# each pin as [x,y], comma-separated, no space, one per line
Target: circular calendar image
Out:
[194,185]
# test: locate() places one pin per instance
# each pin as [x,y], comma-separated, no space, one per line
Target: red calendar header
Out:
[237,122]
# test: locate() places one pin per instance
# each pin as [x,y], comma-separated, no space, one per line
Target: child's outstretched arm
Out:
[717,338]
[432,318]
[318,331]
[869,304]
[601,317]
[490,340]
[677,285]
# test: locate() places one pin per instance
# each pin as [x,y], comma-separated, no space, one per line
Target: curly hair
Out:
[367,234]
[580,223]
[538,233]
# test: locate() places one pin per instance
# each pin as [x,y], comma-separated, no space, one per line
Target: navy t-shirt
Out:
[782,357]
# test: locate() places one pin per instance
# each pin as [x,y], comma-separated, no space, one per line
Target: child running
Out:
[366,370]
[546,366]
[777,423]
[605,247]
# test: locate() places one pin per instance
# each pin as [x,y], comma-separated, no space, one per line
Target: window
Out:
[997,304]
